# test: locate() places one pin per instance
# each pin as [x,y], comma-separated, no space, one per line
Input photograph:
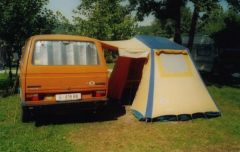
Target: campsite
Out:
[121,131]
[115,128]
[120,75]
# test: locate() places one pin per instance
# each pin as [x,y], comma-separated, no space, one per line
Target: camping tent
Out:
[169,86]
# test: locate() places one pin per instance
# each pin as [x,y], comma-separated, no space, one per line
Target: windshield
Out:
[65,53]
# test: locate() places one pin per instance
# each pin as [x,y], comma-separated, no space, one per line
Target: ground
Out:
[114,128]
[3,80]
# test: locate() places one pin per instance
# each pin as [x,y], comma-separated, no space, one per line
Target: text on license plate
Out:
[67,97]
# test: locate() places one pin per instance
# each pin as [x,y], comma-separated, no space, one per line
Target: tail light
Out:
[100,93]
[32,97]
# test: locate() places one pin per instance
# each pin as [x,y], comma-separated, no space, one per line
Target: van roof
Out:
[61,37]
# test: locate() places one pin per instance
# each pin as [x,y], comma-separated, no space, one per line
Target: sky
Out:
[66,8]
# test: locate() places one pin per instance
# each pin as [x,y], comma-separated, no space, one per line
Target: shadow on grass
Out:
[74,113]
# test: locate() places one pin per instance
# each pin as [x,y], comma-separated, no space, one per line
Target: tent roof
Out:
[141,45]
[131,45]
[130,48]
[159,43]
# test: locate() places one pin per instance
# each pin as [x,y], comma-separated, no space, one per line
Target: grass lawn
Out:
[3,81]
[110,65]
[124,132]
[3,76]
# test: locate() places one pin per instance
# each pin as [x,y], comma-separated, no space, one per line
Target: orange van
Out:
[61,69]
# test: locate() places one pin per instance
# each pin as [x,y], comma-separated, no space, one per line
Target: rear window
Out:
[65,53]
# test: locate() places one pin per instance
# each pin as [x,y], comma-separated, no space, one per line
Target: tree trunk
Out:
[9,61]
[177,35]
[16,81]
[19,57]
[193,28]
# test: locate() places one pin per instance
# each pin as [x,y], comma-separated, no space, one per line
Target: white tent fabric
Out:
[130,48]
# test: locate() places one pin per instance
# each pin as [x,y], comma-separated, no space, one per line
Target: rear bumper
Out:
[89,103]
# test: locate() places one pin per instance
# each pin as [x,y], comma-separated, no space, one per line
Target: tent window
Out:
[175,64]
[65,53]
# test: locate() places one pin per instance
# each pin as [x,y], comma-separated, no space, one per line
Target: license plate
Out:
[67,97]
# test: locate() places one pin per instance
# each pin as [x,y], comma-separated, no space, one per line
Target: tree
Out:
[104,19]
[63,25]
[166,28]
[157,28]
[228,37]
[162,10]
[186,15]
[20,19]
[199,6]
[213,22]
[234,4]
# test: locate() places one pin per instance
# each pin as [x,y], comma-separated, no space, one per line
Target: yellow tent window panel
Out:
[174,65]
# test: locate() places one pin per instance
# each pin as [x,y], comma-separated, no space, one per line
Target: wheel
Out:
[27,114]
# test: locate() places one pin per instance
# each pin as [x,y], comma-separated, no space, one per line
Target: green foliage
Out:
[228,37]
[63,25]
[104,19]
[162,10]
[213,22]
[158,28]
[165,28]
[185,19]
[23,18]
[234,5]
[205,6]
[20,19]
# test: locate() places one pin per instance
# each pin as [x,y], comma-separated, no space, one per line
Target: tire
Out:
[27,114]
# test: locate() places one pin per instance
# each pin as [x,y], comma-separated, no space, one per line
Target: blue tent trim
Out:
[138,115]
[151,88]
[159,42]
[181,117]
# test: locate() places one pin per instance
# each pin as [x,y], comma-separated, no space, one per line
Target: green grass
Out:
[126,133]
[110,65]
[16,136]
[3,81]
[3,76]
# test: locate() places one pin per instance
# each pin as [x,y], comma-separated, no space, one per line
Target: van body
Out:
[61,69]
